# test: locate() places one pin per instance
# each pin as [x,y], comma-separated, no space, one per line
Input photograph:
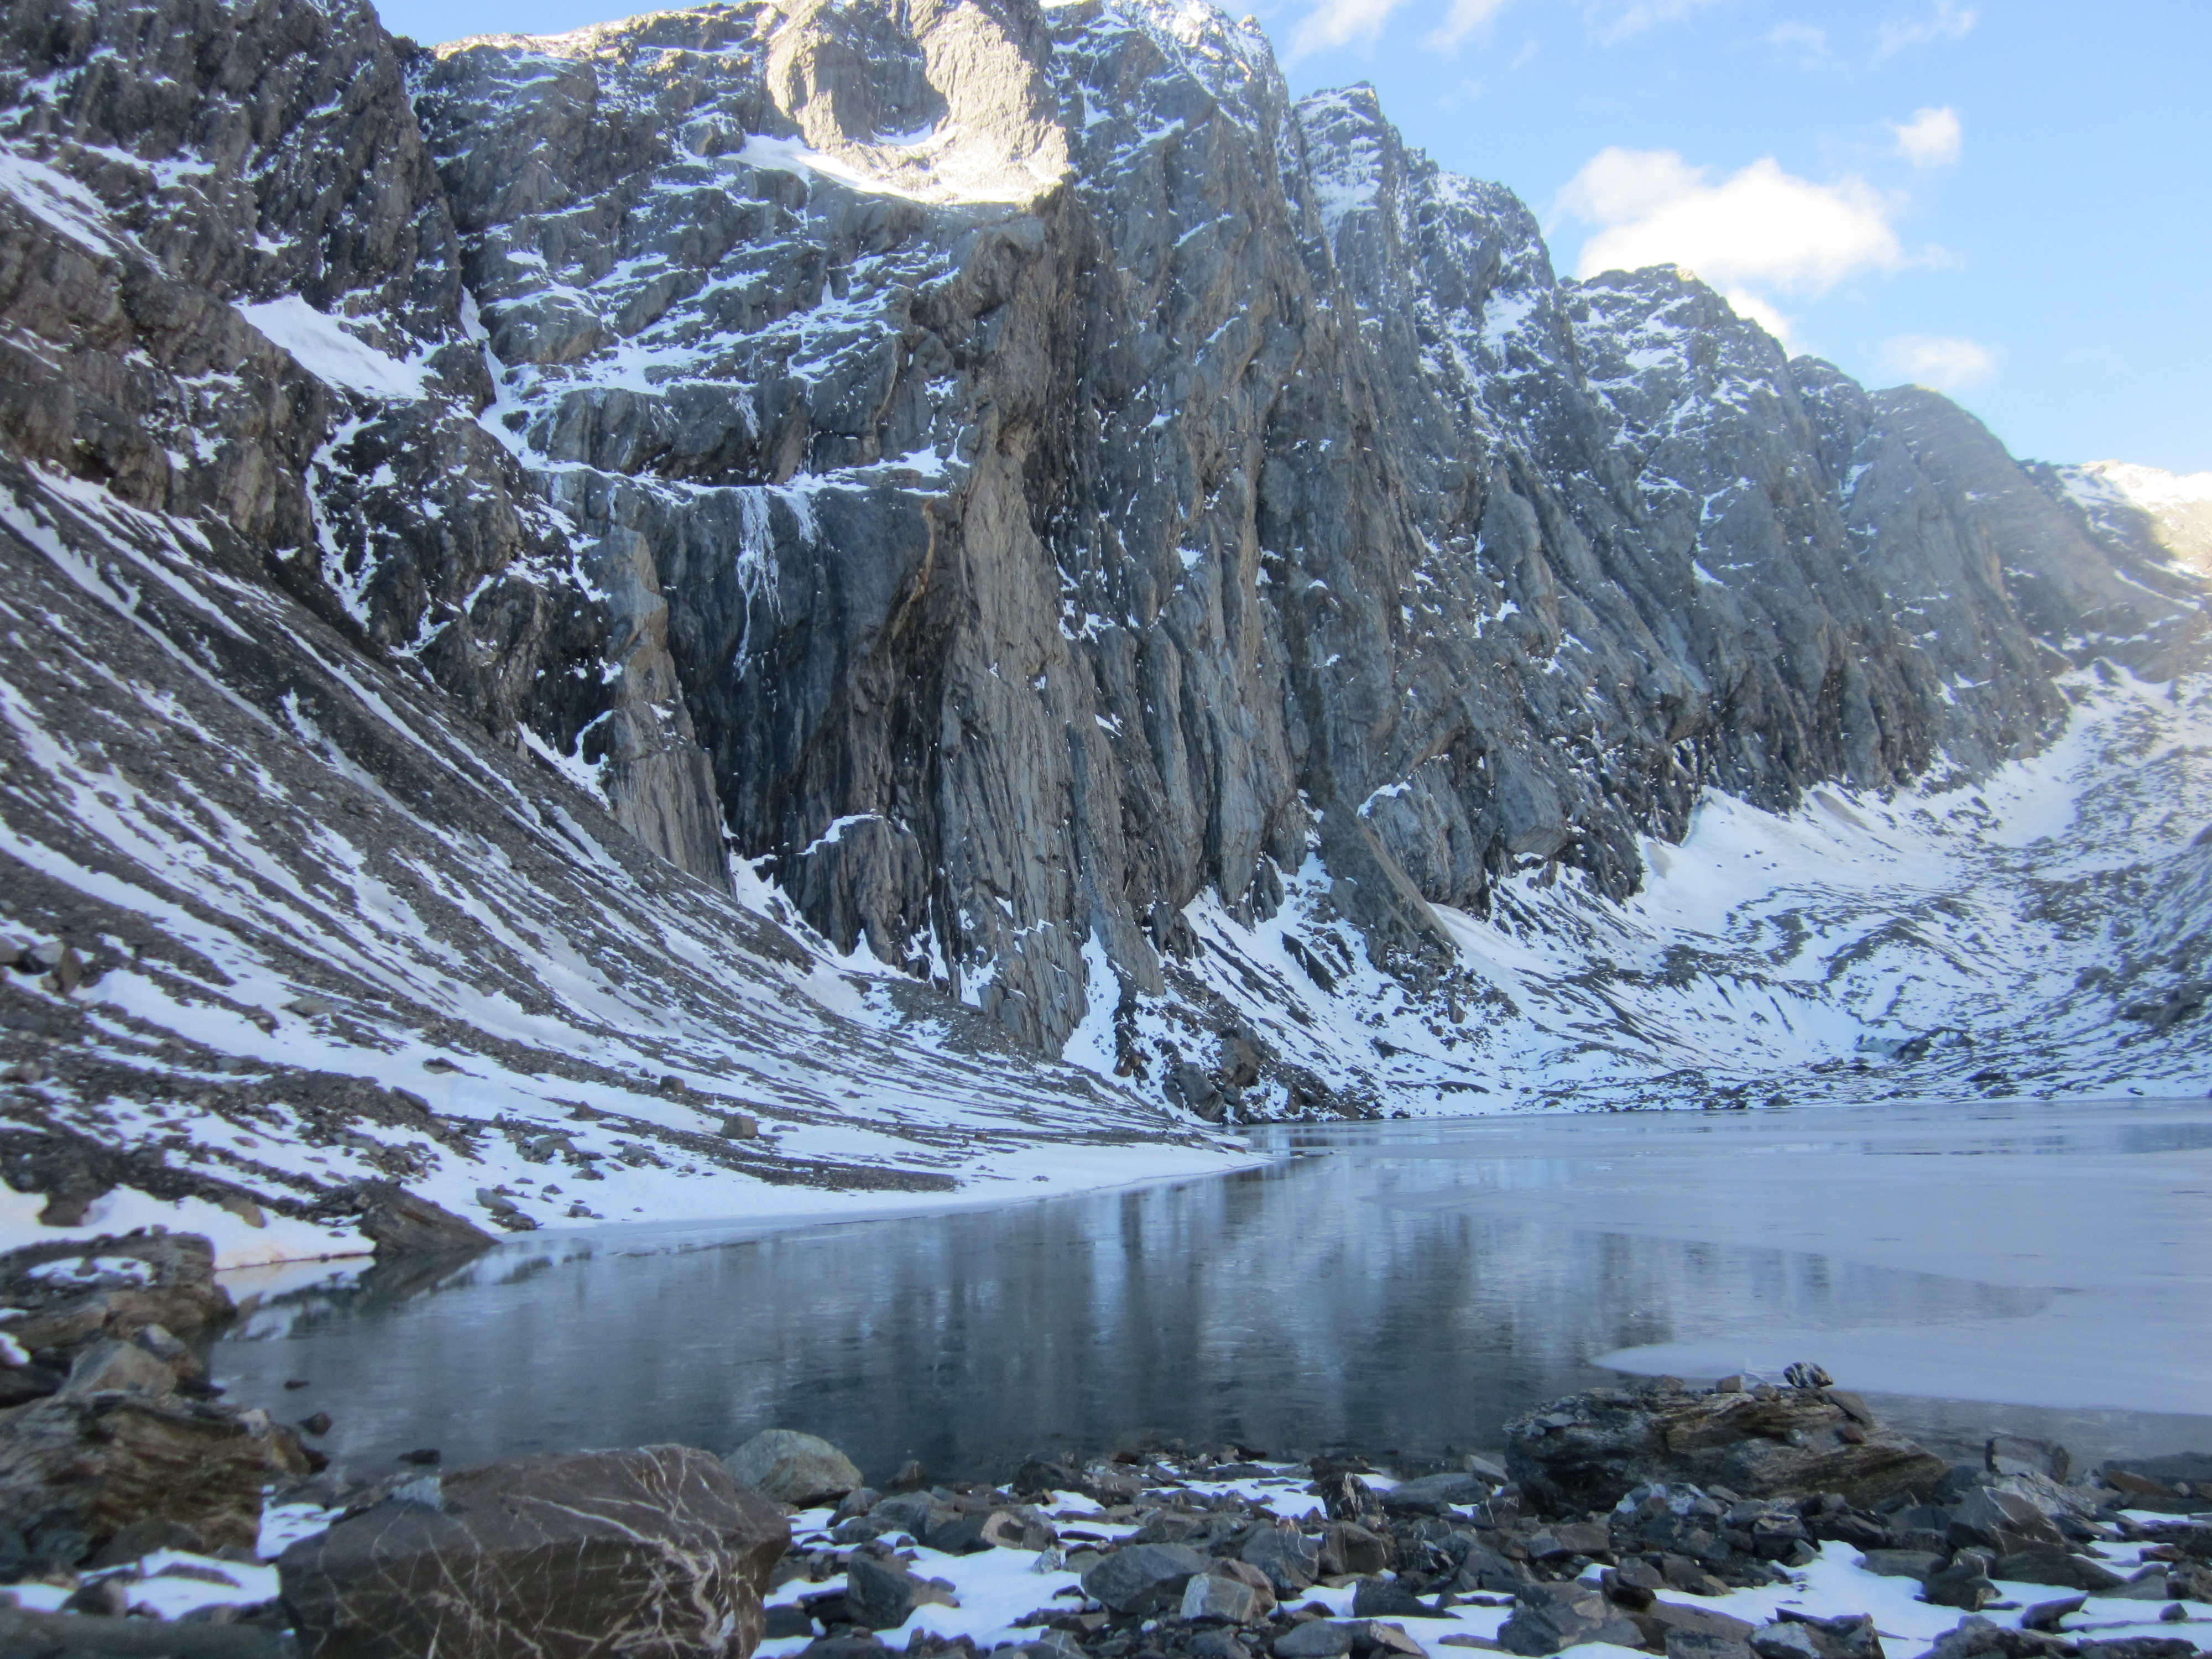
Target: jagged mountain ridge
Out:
[1158,561]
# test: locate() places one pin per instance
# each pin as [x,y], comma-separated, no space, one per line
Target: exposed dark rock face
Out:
[654,1551]
[1043,551]
[1047,498]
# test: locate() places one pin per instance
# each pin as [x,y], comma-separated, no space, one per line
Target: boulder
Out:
[1483,1569]
[2054,1564]
[1373,1639]
[75,1471]
[791,1467]
[1347,1497]
[108,1366]
[1291,1561]
[1583,1452]
[1964,1583]
[1570,1538]
[1348,1547]
[1022,1528]
[1976,1637]
[1847,1636]
[1901,1563]
[1385,1598]
[1697,1644]
[880,1593]
[1144,1578]
[1660,1620]
[401,1223]
[1219,1595]
[1549,1617]
[1318,1638]
[655,1552]
[2050,1617]
[71,1291]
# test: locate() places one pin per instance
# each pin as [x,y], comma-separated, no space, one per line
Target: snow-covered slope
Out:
[328,934]
[2120,496]
[2039,931]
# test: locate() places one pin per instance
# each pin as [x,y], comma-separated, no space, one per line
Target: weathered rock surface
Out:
[655,1552]
[71,1290]
[74,1471]
[1549,1617]
[1586,1451]
[1143,1577]
[398,1222]
[787,1467]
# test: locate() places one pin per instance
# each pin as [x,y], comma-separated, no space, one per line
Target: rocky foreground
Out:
[139,1513]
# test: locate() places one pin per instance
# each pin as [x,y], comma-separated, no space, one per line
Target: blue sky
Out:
[2010,201]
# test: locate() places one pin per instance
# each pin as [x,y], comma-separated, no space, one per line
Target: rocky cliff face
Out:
[1158,561]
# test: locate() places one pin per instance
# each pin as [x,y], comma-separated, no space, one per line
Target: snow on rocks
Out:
[1217,1553]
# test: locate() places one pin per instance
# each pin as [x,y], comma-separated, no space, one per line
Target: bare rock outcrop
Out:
[655,1552]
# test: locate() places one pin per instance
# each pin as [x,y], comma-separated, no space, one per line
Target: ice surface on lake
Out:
[1405,1284]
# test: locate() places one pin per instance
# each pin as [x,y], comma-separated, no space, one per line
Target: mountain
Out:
[976,584]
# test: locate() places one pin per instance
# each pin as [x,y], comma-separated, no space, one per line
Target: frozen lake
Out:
[1408,1286]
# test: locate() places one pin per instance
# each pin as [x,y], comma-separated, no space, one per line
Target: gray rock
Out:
[1318,1638]
[654,1551]
[1587,1451]
[2054,1564]
[1213,1595]
[398,1222]
[1349,1547]
[1843,1636]
[914,1512]
[791,1467]
[2049,1616]
[1548,1617]
[121,1367]
[1436,1494]
[881,1593]
[2151,1584]
[1484,1569]
[1291,1561]
[1698,1644]
[1142,1578]
[1901,1563]
[85,1468]
[1965,1583]
[1384,1598]
[1784,1641]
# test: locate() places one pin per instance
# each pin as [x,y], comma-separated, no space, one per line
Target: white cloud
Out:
[1806,42]
[1753,308]
[1647,14]
[1465,17]
[1947,363]
[1760,228]
[1340,23]
[1931,138]
[1946,21]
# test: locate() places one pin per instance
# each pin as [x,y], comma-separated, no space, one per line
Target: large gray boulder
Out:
[656,1553]
[1549,1617]
[1143,1577]
[1586,1451]
[791,1467]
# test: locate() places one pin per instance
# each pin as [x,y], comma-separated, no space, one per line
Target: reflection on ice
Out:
[1399,1286]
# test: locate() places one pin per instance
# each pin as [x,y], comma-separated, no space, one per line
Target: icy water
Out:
[1400,1286]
